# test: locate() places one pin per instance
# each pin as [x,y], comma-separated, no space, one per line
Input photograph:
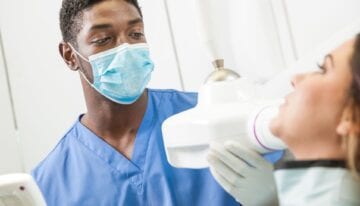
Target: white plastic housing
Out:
[225,111]
[19,190]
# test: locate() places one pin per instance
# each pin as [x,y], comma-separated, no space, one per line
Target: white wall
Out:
[10,160]
[166,73]
[313,21]
[47,96]
[265,37]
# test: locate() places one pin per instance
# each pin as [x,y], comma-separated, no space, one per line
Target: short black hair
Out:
[70,12]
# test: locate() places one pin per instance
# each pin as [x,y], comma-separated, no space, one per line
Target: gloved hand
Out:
[243,173]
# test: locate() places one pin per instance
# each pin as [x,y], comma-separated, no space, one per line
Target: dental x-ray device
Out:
[229,106]
[218,115]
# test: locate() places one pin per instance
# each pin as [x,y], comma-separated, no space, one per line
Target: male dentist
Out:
[114,153]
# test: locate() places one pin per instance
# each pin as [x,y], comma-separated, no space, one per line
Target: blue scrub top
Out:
[85,170]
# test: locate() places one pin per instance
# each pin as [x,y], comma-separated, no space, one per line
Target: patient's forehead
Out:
[344,53]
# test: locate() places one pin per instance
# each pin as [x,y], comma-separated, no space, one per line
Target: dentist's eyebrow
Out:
[135,21]
[107,26]
[100,26]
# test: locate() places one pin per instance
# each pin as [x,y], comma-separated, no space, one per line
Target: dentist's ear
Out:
[69,56]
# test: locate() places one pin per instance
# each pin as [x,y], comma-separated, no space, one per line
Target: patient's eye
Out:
[321,65]
[322,68]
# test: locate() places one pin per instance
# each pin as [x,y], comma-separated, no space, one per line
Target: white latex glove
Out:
[243,173]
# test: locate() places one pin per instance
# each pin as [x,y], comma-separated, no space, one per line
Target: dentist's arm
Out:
[243,173]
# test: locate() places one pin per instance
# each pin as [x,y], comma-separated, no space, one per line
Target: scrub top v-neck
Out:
[85,170]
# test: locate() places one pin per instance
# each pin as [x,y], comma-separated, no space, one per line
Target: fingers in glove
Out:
[226,184]
[251,157]
[230,160]
[224,170]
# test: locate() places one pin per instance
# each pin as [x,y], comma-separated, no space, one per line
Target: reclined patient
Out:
[320,123]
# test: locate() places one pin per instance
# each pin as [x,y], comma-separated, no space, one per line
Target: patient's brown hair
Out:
[352,113]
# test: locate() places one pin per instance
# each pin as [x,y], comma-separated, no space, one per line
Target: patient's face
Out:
[308,119]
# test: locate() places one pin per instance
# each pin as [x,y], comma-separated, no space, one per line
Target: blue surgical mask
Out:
[121,74]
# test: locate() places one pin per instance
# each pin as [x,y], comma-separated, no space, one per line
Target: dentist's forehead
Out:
[109,9]
[110,13]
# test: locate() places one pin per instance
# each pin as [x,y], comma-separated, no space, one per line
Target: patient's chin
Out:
[275,127]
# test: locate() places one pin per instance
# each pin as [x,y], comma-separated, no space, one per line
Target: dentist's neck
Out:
[110,119]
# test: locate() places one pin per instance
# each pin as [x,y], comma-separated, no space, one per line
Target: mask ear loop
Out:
[85,59]
[86,79]
[82,73]
[78,53]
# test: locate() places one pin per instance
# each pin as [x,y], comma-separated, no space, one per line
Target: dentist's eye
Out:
[137,35]
[101,41]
